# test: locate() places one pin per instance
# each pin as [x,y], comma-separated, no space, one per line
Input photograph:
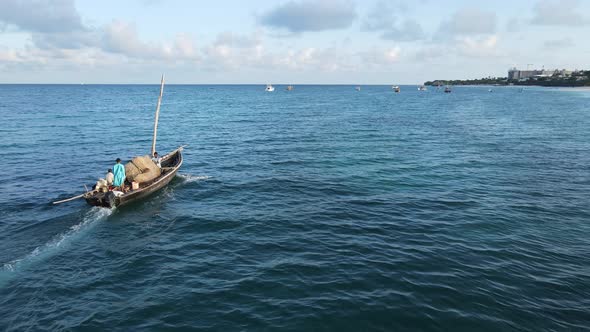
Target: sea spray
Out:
[188,178]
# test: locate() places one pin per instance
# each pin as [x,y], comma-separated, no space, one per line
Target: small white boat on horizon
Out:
[422,88]
[269,88]
[395,88]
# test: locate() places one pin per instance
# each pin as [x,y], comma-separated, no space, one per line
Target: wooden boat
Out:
[170,165]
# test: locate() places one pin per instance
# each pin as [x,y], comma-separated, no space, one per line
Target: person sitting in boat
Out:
[110,177]
[157,159]
[119,175]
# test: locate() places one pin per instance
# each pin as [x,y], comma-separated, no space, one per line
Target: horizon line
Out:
[344,84]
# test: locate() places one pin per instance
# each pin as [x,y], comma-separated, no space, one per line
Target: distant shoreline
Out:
[523,86]
[576,79]
[509,85]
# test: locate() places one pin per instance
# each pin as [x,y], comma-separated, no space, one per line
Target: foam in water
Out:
[10,269]
[188,178]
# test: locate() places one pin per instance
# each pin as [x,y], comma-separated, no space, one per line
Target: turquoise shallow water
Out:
[317,209]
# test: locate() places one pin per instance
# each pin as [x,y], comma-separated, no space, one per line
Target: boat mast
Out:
[157,116]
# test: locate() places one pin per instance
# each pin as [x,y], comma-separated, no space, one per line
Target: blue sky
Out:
[297,41]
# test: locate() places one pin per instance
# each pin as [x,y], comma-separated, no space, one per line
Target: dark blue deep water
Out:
[319,209]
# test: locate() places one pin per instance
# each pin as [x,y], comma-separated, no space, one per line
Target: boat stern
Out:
[107,199]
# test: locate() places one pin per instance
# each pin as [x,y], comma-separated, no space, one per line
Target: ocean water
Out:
[319,209]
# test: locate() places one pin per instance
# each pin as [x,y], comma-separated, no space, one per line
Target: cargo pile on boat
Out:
[142,169]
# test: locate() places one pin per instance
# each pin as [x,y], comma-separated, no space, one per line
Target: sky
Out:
[286,42]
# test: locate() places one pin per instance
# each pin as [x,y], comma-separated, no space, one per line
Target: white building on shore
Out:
[523,75]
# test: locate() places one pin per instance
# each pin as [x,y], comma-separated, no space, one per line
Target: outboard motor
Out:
[108,199]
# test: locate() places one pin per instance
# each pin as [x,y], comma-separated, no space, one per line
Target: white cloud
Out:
[115,44]
[308,59]
[301,16]
[429,52]
[554,44]
[56,29]
[383,19]
[238,40]
[469,33]
[296,59]
[514,24]
[381,57]
[184,46]
[232,50]
[559,12]
[121,37]
[410,30]
[478,46]
[460,48]
[469,21]
[9,55]
[76,39]
[391,55]
[41,16]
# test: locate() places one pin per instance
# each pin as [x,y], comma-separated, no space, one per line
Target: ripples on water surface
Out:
[316,209]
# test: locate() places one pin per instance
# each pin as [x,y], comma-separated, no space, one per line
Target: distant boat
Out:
[490,90]
[447,89]
[289,87]
[395,88]
[357,88]
[422,88]
[269,88]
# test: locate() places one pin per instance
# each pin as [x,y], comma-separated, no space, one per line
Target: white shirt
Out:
[110,177]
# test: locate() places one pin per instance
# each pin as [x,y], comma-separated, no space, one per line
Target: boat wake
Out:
[59,242]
